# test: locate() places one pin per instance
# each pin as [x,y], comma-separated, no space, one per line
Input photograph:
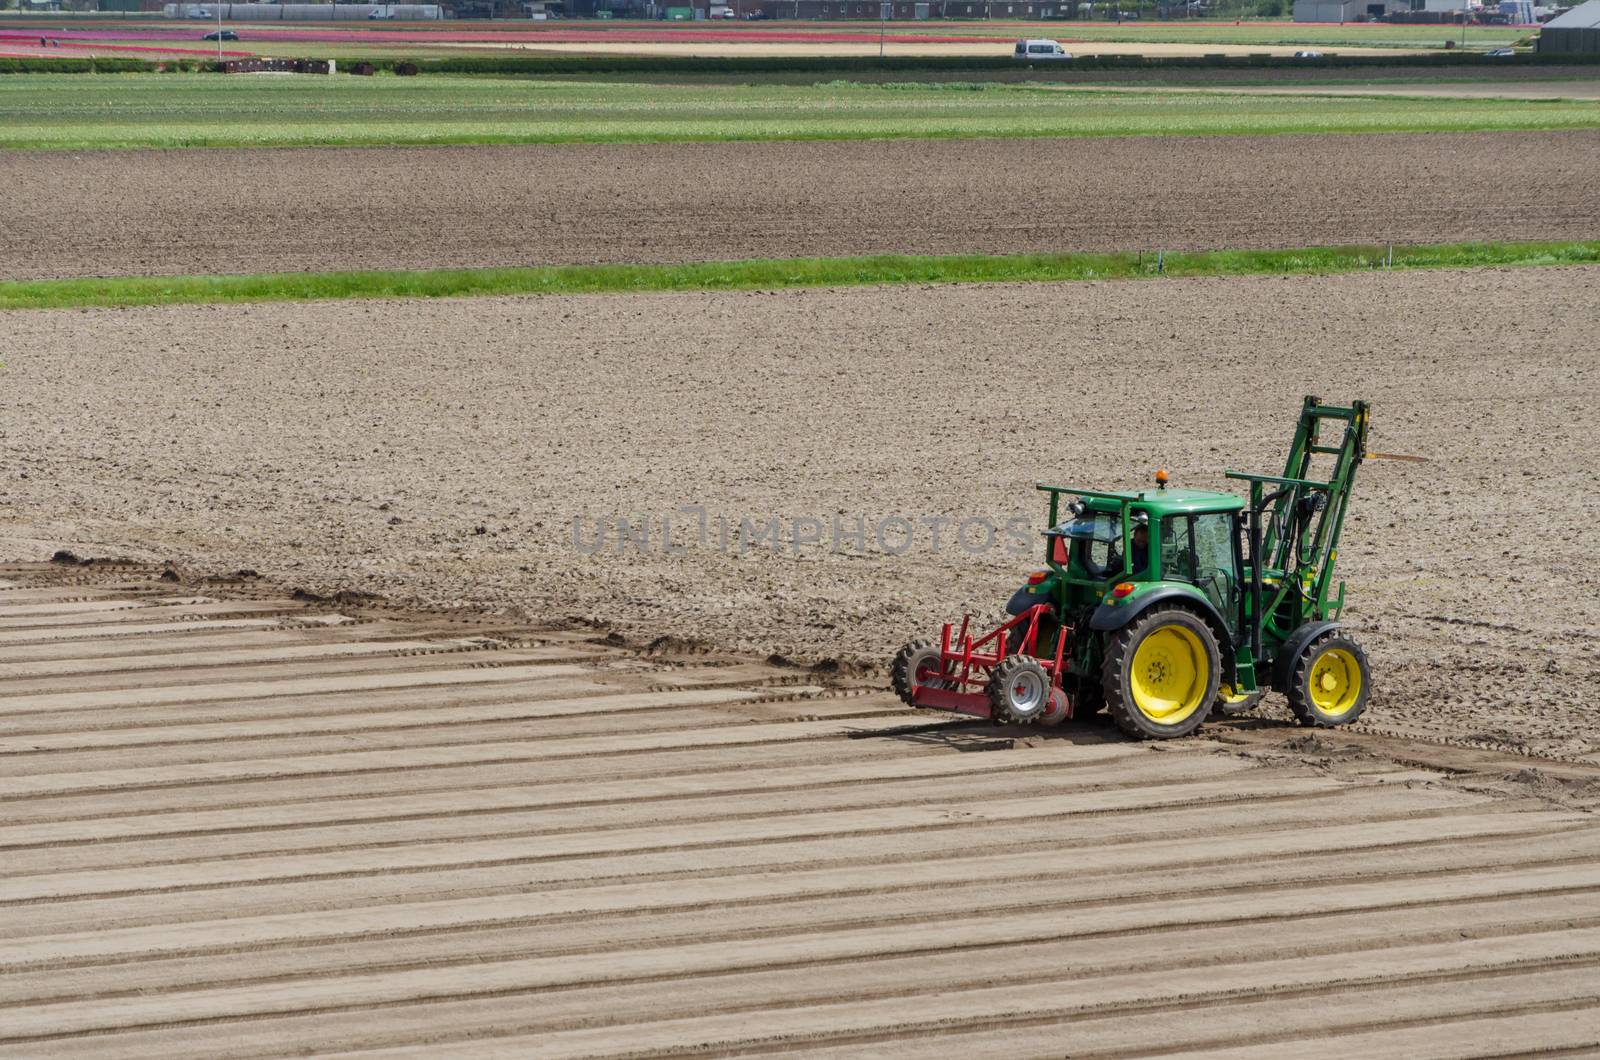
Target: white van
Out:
[1039,49]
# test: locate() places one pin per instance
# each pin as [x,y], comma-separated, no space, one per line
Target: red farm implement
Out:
[997,675]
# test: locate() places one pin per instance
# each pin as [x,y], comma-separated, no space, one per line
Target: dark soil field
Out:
[456,452]
[241,211]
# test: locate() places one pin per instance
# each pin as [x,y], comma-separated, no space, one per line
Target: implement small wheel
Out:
[1230,703]
[1160,674]
[1019,690]
[918,665]
[1329,683]
[1056,711]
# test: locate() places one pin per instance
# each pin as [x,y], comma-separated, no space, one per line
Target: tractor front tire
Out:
[1329,682]
[1019,690]
[917,665]
[1160,674]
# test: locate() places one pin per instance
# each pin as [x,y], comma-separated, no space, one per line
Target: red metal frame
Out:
[967,662]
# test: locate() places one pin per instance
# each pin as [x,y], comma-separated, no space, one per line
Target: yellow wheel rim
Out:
[1335,682]
[1170,675]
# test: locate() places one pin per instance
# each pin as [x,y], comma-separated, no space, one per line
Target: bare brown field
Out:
[128,213]
[236,824]
[461,451]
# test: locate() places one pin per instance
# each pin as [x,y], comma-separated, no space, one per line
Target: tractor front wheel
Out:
[1019,690]
[918,665]
[1329,682]
[1160,674]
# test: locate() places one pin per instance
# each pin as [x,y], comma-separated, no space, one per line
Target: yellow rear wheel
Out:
[1160,673]
[1169,674]
[1329,682]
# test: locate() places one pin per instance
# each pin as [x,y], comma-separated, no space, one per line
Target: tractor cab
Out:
[1116,547]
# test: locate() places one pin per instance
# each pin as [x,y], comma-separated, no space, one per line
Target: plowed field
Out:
[227,211]
[468,450]
[235,824]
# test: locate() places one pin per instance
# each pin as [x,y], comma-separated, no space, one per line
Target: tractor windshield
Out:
[1094,536]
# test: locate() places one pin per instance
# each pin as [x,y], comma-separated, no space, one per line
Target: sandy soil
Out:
[445,452]
[119,213]
[240,825]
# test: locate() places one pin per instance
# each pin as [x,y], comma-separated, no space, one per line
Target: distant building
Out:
[1576,32]
[1344,10]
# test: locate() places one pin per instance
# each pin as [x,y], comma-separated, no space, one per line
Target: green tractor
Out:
[1163,605]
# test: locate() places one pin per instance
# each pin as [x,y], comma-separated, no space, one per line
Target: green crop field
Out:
[207,110]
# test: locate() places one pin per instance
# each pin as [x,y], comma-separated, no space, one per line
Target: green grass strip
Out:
[753,275]
[127,111]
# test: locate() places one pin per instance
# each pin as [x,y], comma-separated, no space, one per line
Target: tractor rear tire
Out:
[918,664]
[1160,674]
[1329,682]
[1019,690]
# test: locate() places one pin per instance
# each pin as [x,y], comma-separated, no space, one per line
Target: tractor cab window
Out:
[1106,555]
[1217,561]
[1200,550]
[1093,537]
[1177,549]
